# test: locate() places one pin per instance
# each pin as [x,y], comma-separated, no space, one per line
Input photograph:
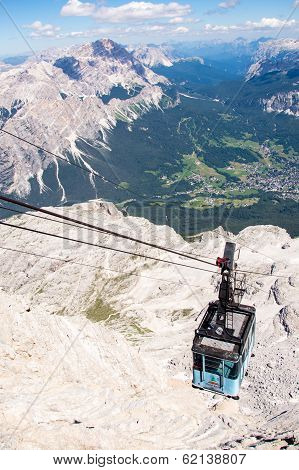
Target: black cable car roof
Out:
[213,340]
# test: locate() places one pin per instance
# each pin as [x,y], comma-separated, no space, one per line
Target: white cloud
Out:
[181,30]
[77,8]
[270,23]
[137,11]
[176,20]
[118,31]
[161,29]
[217,27]
[89,33]
[143,29]
[40,30]
[229,4]
[296,3]
[263,24]
[132,11]
[223,7]
[154,28]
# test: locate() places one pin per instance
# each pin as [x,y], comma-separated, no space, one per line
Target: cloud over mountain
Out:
[38,29]
[263,24]
[132,11]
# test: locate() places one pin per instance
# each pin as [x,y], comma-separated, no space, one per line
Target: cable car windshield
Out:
[214,366]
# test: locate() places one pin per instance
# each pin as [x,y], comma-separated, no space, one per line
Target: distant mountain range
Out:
[191,123]
[272,56]
[234,56]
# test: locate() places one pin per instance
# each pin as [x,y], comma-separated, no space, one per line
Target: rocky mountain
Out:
[95,346]
[287,103]
[229,56]
[148,129]
[280,55]
[165,55]
[275,68]
[152,56]
[58,101]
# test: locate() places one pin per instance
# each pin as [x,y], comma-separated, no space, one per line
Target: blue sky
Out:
[59,23]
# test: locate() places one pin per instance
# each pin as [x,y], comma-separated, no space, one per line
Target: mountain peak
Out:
[108,43]
[108,48]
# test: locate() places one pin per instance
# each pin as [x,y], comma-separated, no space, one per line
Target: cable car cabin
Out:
[224,340]
[220,358]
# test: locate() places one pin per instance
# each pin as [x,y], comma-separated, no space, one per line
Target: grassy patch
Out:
[157,203]
[208,202]
[232,193]
[132,330]
[124,185]
[152,172]
[100,311]
[119,116]
[192,166]
[236,170]
[184,313]
[207,172]
[247,135]
[137,328]
[242,144]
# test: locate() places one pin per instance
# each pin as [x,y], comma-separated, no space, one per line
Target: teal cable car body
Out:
[224,340]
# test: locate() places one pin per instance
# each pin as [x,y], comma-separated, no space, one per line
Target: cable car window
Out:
[213,365]
[231,369]
[197,360]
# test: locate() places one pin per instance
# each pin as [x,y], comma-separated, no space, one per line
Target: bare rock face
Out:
[95,345]
[266,441]
[152,56]
[287,103]
[279,58]
[289,318]
[275,55]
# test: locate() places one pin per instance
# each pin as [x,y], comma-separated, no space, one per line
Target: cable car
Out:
[224,340]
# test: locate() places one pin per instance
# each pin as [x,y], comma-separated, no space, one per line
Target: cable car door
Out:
[213,373]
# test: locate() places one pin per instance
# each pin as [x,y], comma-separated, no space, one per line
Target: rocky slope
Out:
[92,357]
[152,56]
[275,55]
[58,101]
[287,103]
[275,68]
